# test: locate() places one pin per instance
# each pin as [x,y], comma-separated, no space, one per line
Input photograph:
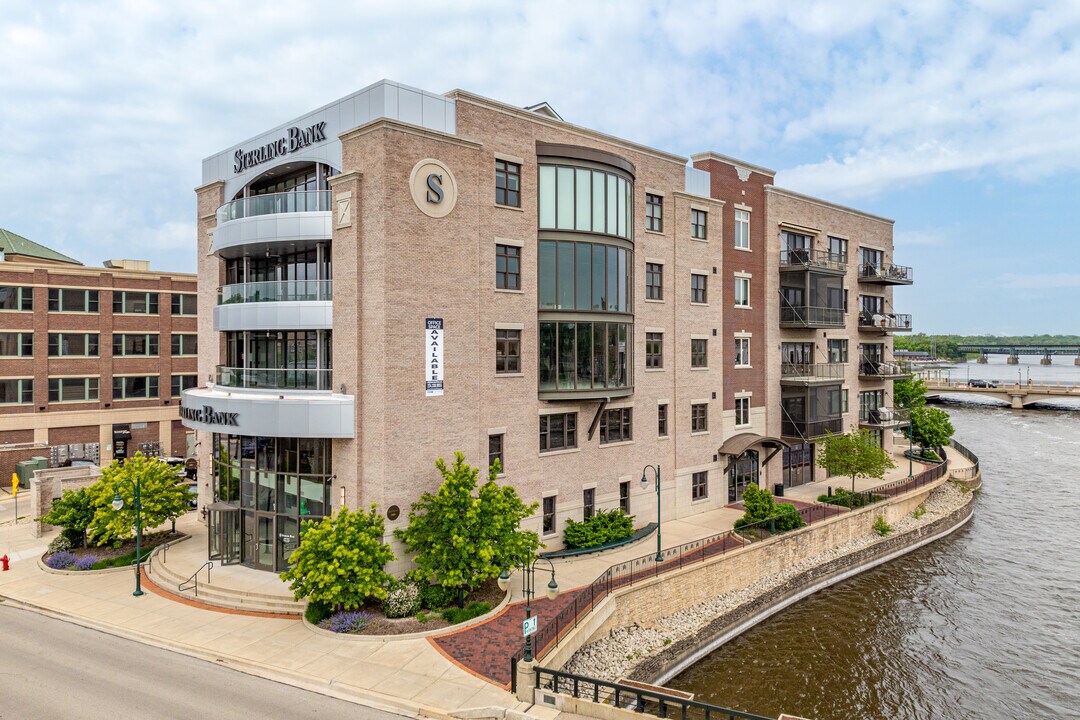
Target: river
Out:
[981,624]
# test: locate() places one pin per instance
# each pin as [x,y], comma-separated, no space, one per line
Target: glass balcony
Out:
[885,274]
[275,291]
[884,417]
[875,370]
[805,316]
[274,378]
[811,373]
[273,204]
[884,322]
[806,258]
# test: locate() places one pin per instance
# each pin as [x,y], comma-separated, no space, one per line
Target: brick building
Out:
[400,274]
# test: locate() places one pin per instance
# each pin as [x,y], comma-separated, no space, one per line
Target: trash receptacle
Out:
[778,489]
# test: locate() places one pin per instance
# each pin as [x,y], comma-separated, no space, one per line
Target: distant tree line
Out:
[946,346]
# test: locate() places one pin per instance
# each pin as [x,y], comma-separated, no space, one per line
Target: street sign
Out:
[529,626]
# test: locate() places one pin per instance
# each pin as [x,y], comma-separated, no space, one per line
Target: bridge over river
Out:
[1018,395]
[1014,351]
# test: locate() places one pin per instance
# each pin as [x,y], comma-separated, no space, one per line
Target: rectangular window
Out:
[837,249]
[699,485]
[742,411]
[699,224]
[135,345]
[16,298]
[742,292]
[73,344]
[72,300]
[624,496]
[838,351]
[588,503]
[507,183]
[185,344]
[699,417]
[616,425]
[495,451]
[661,420]
[16,344]
[507,351]
[742,229]
[654,350]
[184,304]
[549,515]
[654,281]
[558,432]
[131,388]
[870,260]
[130,302]
[698,287]
[699,353]
[507,267]
[843,401]
[742,352]
[654,212]
[73,389]
[16,392]
[180,383]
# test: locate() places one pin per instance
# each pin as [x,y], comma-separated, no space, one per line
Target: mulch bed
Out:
[150,540]
[489,592]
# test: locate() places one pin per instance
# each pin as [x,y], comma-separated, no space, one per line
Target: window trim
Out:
[554,514]
[24,297]
[123,396]
[702,227]
[741,279]
[694,406]
[502,250]
[60,342]
[120,297]
[85,380]
[742,400]
[504,340]
[23,338]
[507,173]
[25,386]
[744,222]
[624,424]
[566,433]
[655,221]
[699,354]
[651,338]
[502,451]
[172,383]
[177,299]
[662,420]
[122,337]
[699,486]
[704,289]
[658,287]
[174,345]
[90,297]
[740,340]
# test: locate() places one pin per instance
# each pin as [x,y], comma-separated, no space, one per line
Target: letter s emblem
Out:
[435,191]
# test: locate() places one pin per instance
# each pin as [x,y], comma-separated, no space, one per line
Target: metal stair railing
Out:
[193,581]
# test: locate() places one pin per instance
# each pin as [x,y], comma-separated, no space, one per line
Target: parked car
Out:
[982,383]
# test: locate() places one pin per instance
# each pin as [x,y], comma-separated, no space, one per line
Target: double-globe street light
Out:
[528,589]
[645,486]
[117,503]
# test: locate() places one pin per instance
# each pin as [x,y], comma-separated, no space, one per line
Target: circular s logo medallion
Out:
[433,188]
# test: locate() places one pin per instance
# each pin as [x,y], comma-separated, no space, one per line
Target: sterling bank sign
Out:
[209,416]
[295,139]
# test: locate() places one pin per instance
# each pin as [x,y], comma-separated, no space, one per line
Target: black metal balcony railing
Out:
[886,274]
[807,258]
[885,417]
[810,429]
[811,317]
[885,321]
[275,291]
[811,371]
[274,378]
[274,203]
[877,369]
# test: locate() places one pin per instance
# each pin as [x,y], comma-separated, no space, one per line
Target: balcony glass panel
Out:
[273,204]
[275,291]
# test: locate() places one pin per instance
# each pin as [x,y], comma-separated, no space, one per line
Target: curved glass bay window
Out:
[585,356]
[277,359]
[585,199]
[588,277]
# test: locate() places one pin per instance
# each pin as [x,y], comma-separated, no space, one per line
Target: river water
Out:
[982,624]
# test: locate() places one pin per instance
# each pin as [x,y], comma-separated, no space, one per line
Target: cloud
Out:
[1040,281]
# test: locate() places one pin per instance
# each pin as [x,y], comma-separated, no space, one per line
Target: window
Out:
[585,200]
[16,298]
[558,432]
[742,411]
[14,392]
[128,345]
[654,350]
[698,287]
[843,401]
[73,344]
[872,304]
[588,503]
[742,229]
[742,352]
[16,344]
[624,496]
[837,249]
[73,389]
[507,183]
[699,353]
[585,276]
[507,267]
[184,304]
[742,292]
[71,300]
[549,515]
[585,355]
[661,420]
[131,388]
[654,212]
[699,417]
[699,485]
[838,351]
[699,224]
[180,383]
[495,451]
[654,281]
[128,302]
[616,425]
[870,260]
[185,344]
[507,351]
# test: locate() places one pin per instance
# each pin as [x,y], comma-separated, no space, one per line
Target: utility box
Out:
[24,470]
[778,489]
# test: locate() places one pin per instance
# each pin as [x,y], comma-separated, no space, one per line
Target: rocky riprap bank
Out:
[625,648]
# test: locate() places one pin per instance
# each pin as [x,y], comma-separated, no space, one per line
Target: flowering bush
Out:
[347,621]
[403,600]
[86,562]
[60,560]
[60,543]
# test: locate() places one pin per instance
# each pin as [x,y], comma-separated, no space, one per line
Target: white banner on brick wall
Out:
[433,352]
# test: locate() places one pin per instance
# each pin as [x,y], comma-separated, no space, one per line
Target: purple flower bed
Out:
[348,621]
[86,562]
[60,560]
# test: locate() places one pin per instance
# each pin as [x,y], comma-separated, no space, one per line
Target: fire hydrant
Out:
[4,560]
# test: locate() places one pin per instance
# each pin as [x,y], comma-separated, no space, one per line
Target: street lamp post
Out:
[528,589]
[645,486]
[118,503]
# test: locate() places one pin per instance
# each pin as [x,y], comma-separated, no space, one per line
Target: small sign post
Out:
[528,627]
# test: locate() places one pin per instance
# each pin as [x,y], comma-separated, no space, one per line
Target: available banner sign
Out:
[433,353]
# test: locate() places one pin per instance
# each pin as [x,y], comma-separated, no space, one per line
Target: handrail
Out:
[972,457]
[146,560]
[809,258]
[274,378]
[880,368]
[193,581]
[274,203]
[807,371]
[886,416]
[886,271]
[275,291]
[811,315]
[885,321]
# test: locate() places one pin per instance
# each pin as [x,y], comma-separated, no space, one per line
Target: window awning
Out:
[736,445]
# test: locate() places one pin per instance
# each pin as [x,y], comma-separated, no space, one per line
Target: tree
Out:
[340,559]
[162,493]
[909,392]
[461,539]
[74,512]
[930,427]
[855,454]
[761,506]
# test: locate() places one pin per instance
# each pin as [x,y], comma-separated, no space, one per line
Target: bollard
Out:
[5,562]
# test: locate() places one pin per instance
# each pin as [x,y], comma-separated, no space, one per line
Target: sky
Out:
[959,120]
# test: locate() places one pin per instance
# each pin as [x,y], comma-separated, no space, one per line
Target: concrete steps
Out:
[169,579]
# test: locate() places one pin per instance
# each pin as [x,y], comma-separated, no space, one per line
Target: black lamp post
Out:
[118,503]
[645,486]
[528,589]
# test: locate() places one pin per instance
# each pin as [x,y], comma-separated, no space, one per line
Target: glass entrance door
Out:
[798,464]
[264,542]
[743,472]
[288,537]
[223,535]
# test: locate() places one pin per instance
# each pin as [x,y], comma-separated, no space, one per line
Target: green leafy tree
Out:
[163,495]
[909,392]
[460,539]
[761,506]
[73,512]
[340,559]
[930,427]
[855,454]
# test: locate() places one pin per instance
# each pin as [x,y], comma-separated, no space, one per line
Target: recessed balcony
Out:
[807,259]
[874,370]
[884,322]
[274,204]
[886,274]
[884,417]
[273,378]
[811,373]
[267,224]
[275,305]
[806,316]
[803,430]
[275,291]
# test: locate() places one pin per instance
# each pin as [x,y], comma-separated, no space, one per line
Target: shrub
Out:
[316,612]
[60,560]
[470,611]
[603,527]
[86,562]
[761,508]
[76,537]
[60,543]
[402,600]
[348,621]
[422,617]
[881,527]
[844,498]
[436,597]
[919,512]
